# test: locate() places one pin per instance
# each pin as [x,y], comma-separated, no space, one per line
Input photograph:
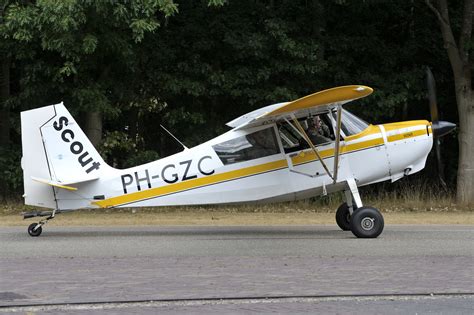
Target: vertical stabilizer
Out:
[55,150]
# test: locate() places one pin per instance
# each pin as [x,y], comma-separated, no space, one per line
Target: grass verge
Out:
[295,213]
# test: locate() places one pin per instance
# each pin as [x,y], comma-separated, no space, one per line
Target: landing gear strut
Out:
[362,221]
[35,229]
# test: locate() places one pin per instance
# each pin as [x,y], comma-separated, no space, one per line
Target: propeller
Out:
[440,128]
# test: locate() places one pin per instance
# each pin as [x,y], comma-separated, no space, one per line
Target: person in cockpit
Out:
[316,131]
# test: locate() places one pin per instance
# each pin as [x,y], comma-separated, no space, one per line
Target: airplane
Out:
[282,152]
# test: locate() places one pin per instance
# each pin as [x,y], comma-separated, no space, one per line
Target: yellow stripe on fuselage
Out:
[404,124]
[189,184]
[303,157]
[371,130]
[406,135]
[309,156]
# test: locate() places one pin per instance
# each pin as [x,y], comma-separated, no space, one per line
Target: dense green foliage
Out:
[194,65]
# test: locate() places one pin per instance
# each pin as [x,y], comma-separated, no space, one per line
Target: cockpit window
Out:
[317,127]
[350,123]
[252,146]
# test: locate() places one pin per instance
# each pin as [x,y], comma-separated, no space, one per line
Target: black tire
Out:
[343,217]
[367,222]
[33,232]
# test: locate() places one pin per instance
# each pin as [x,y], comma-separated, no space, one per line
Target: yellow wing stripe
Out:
[326,97]
[194,183]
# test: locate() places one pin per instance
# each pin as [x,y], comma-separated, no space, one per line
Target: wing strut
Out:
[338,141]
[300,130]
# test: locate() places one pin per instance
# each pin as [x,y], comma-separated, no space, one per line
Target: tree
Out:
[115,68]
[461,59]
[4,88]
[215,64]
[80,48]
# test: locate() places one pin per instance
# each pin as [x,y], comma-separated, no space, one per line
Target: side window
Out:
[318,128]
[252,146]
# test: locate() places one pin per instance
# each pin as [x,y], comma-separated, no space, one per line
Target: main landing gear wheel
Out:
[367,222]
[343,217]
[32,231]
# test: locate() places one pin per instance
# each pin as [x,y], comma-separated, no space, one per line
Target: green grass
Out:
[401,197]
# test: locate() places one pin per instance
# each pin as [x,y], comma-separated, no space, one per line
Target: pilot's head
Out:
[314,122]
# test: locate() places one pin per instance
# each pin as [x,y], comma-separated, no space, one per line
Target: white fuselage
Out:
[199,176]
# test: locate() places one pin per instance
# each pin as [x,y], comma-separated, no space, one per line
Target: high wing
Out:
[311,104]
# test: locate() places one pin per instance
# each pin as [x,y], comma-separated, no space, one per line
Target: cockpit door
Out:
[308,171]
[364,150]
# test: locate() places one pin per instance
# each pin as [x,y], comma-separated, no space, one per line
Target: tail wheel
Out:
[343,217]
[32,231]
[367,222]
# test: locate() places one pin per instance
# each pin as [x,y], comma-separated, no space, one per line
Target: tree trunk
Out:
[93,128]
[4,111]
[458,54]
[465,180]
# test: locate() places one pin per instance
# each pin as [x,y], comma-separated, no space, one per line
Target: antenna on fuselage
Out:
[169,132]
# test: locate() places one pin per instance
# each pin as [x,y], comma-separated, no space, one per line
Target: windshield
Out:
[351,124]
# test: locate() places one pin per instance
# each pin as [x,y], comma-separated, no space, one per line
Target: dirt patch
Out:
[233,218]
[293,213]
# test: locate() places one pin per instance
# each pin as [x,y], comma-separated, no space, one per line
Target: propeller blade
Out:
[431,85]
[440,128]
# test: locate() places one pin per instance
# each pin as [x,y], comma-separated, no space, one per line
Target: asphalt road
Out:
[171,270]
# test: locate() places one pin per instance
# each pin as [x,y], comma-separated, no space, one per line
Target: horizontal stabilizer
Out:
[53,183]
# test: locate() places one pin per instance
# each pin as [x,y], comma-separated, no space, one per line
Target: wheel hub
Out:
[367,223]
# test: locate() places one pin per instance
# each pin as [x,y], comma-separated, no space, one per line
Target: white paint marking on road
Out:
[226,301]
